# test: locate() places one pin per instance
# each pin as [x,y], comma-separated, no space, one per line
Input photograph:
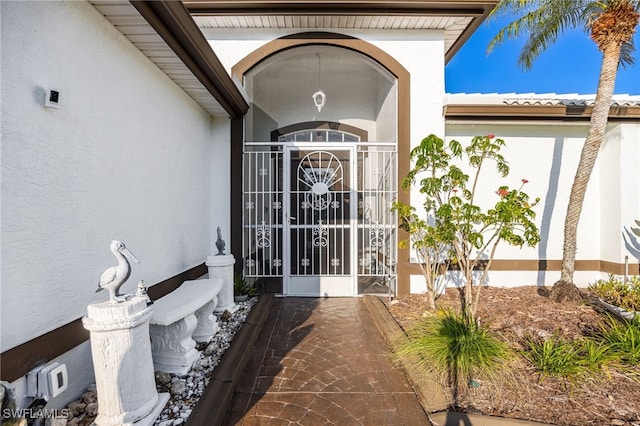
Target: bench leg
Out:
[207,324]
[172,348]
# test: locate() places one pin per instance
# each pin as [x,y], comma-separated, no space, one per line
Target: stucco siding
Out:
[126,156]
[547,154]
[619,189]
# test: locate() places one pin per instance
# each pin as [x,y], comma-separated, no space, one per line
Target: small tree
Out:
[456,230]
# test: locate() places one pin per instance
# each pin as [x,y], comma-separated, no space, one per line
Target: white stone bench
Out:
[181,318]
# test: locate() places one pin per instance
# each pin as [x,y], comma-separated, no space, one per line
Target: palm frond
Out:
[553,18]
[544,21]
[627,54]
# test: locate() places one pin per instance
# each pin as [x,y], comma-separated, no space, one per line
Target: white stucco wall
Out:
[220,181]
[619,191]
[128,156]
[547,155]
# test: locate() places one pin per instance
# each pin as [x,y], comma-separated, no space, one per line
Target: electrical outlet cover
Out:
[57,380]
[47,381]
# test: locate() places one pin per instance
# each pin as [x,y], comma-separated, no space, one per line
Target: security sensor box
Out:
[51,98]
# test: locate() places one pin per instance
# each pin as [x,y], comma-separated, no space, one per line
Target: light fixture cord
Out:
[319,70]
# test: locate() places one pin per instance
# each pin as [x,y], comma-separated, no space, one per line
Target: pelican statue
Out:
[113,278]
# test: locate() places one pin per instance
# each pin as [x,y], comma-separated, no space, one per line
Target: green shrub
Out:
[242,287]
[616,292]
[596,355]
[455,347]
[623,338]
[554,357]
[615,343]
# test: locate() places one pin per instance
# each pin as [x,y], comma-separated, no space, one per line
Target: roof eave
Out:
[477,9]
[173,22]
[535,112]
[327,7]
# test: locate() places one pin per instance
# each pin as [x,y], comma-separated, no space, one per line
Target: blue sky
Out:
[571,65]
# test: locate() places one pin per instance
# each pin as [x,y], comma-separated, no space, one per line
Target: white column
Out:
[121,352]
[222,267]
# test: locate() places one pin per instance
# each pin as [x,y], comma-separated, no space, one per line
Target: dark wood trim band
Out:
[17,362]
[328,7]
[173,22]
[167,286]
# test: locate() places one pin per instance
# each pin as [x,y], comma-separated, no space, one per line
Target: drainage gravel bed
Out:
[185,391]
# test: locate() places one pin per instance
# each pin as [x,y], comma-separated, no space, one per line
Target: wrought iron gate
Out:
[318,215]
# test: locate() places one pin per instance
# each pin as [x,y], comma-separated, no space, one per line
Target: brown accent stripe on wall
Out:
[17,362]
[618,268]
[552,265]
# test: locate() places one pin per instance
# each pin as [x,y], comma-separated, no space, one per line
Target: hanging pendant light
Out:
[319,97]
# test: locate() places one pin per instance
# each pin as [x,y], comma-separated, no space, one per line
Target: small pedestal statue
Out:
[221,266]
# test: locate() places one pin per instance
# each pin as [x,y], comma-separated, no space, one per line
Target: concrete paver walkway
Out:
[323,362]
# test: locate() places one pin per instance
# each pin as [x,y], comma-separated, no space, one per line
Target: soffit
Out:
[457,19]
[193,72]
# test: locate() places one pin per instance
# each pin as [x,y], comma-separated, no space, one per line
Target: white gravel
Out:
[185,391]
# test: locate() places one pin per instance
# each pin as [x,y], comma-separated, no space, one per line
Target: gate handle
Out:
[291,218]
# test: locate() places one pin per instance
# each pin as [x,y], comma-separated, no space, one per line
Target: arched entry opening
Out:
[318,180]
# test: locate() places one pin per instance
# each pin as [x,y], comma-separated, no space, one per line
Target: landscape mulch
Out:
[609,398]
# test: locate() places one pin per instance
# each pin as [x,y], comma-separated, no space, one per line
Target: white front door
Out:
[320,218]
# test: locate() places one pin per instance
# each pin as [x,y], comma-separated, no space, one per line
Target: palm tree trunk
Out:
[599,117]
